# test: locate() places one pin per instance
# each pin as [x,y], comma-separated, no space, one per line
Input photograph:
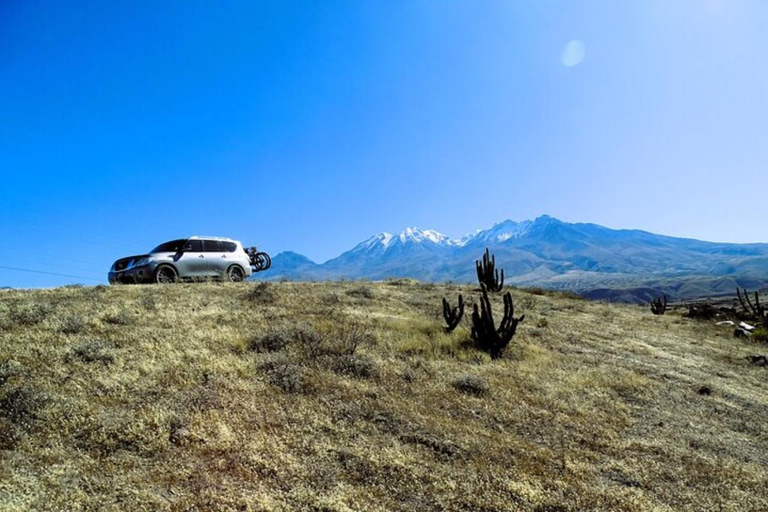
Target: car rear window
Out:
[229,246]
[211,246]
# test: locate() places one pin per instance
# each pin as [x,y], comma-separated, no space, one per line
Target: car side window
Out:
[193,246]
[211,246]
[229,246]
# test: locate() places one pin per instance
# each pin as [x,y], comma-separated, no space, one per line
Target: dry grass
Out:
[225,397]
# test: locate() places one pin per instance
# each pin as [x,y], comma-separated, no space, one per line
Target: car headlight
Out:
[140,262]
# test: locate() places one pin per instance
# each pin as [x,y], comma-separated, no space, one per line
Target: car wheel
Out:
[235,274]
[166,275]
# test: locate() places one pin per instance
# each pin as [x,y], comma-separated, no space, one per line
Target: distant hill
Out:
[624,265]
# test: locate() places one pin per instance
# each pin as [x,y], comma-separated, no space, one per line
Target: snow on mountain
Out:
[501,232]
[386,241]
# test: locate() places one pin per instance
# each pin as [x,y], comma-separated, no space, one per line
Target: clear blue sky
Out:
[309,126]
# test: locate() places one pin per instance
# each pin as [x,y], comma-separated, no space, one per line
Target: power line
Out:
[49,273]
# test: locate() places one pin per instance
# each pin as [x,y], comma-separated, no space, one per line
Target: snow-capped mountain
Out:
[384,242]
[546,252]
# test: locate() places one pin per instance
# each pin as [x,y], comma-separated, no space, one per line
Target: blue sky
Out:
[309,126]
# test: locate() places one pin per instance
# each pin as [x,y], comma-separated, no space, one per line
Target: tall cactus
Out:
[453,315]
[756,309]
[488,274]
[659,305]
[484,332]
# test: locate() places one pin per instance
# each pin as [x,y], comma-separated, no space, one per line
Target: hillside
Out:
[547,252]
[240,397]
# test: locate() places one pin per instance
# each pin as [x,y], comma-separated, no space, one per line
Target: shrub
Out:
[364,292]
[92,352]
[760,334]
[348,336]
[354,366]
[310,342]
[285,375]
[262,293]
[471,385]
[30,314]
[72,325]
[120,318]
[275,340]
[18,405]
[8,370]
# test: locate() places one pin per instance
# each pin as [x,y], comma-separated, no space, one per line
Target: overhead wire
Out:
[19,269]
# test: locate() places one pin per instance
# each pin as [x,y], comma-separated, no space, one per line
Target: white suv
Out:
[197,257]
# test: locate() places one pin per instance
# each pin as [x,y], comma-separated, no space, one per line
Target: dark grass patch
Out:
[19,404]
[262,293]
[92,352]
[362,292]
[471,385]
[119,318]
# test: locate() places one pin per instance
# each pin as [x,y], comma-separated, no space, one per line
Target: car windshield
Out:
[172,246]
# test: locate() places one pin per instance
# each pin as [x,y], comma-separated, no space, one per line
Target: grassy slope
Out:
[154,401]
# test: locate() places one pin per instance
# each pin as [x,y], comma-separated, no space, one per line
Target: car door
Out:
[192,260]
[216,258]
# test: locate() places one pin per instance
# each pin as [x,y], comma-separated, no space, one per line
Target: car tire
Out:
[235,274]
[166,274]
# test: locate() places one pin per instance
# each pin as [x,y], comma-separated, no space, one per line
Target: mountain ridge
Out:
[582,257]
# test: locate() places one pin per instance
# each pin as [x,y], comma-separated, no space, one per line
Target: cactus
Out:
[484,332]
[488,274]
[659,305]
[453,315]
[755,309]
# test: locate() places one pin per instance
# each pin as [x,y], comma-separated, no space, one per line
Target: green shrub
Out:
[760,334]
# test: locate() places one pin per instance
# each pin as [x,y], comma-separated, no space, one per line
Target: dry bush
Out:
[122,317]
[471,385]
[30,314]
[262,293]
[72,324]
[96,351]
[355,366]
[285,375]
[362,292]
[8,370]
[274,340]
[19,404]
